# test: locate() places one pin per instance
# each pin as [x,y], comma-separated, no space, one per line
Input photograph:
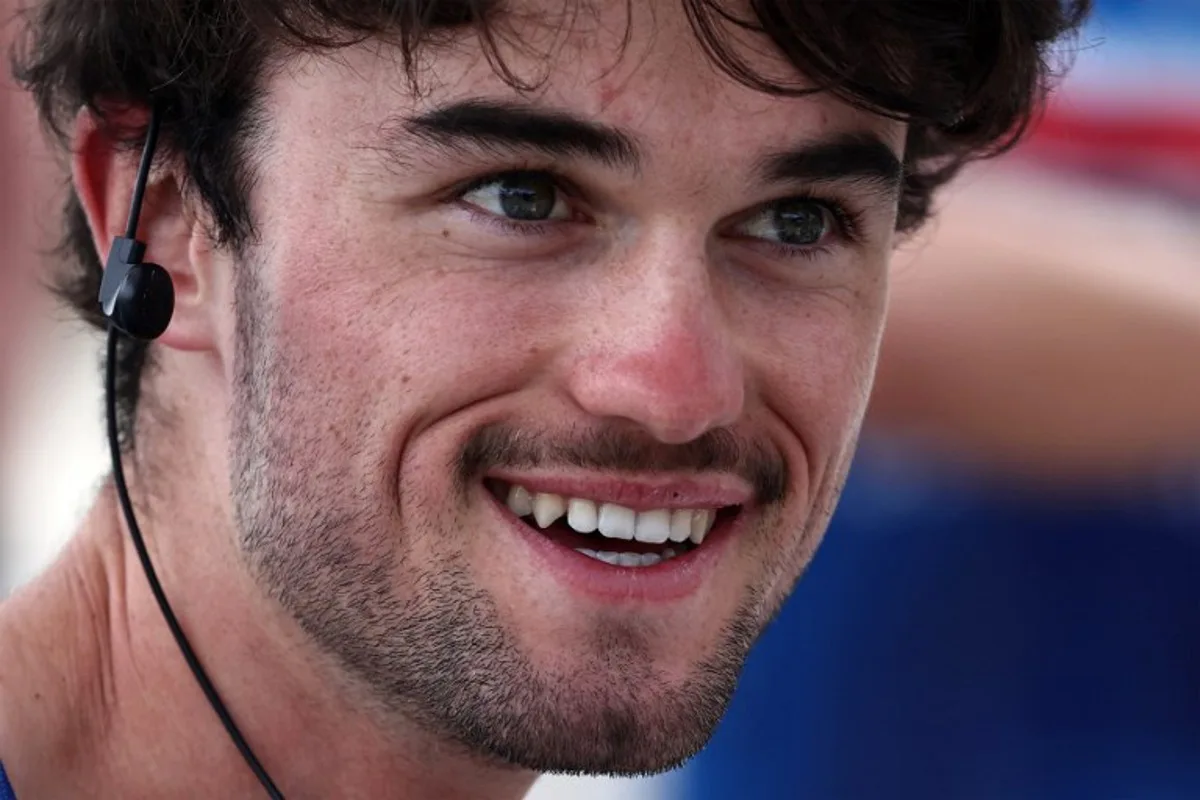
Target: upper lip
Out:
[639,493]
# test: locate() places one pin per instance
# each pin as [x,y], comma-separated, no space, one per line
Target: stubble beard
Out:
[424,642]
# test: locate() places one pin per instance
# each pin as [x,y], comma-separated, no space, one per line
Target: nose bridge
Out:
[660,351]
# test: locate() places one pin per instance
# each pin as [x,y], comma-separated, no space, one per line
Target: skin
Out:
[303,474]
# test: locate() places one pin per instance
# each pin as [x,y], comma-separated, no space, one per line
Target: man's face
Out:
[479,323]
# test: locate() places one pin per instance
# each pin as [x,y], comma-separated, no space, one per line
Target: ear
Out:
[104,172]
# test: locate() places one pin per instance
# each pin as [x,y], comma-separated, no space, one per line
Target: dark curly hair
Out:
[968,76]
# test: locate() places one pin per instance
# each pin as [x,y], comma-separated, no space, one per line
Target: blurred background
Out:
[1007,604]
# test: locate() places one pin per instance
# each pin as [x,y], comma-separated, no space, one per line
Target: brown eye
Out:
[798,223]
[520,196]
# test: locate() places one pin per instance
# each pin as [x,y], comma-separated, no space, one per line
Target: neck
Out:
[99,701]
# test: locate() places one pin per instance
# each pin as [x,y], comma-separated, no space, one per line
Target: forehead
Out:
[635,66]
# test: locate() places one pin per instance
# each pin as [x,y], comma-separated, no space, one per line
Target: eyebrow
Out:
[491,125]
[473,124]
[859,156]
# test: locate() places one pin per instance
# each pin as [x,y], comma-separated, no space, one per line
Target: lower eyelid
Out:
[797,251]
[835,232]
[564,198]
[523,228]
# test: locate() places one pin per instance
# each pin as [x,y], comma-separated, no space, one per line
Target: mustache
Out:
[619,449]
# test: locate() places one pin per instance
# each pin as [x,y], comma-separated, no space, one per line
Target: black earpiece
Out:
[136,296]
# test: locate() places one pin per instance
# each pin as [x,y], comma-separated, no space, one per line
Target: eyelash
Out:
[848,226]
[848,222]
[506,225]
[518,227]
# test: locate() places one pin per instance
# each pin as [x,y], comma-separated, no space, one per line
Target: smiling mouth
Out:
[609,532]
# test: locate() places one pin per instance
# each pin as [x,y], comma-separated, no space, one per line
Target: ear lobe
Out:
[104,172]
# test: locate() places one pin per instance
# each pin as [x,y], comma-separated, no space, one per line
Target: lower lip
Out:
[669,580]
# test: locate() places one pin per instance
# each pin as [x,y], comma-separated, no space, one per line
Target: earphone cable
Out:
[139,544]
[143,176]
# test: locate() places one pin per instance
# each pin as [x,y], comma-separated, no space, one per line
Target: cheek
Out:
[815,364]
[818,375]
[393,348]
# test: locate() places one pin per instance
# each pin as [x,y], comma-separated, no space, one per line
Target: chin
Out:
[624,704]
[611,730]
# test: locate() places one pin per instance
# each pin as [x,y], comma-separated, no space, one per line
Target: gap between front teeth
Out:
[613,521]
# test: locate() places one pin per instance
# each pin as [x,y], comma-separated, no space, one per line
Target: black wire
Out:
[139,544]
[143,176]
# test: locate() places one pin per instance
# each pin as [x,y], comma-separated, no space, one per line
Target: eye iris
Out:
[800,222]
[527,197]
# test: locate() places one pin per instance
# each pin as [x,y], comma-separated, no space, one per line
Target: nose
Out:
[658,350]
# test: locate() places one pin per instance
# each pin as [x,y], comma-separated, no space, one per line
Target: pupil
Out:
[800,222]
[527,197]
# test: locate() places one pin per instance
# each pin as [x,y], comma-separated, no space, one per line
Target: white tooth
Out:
[653,527]
[581,515]
[611,558]
[701,524]
[650,559]
[681,524]
[616,522]
[629,559]
[585,551]
[520,501]
[547,508]
[668,553]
